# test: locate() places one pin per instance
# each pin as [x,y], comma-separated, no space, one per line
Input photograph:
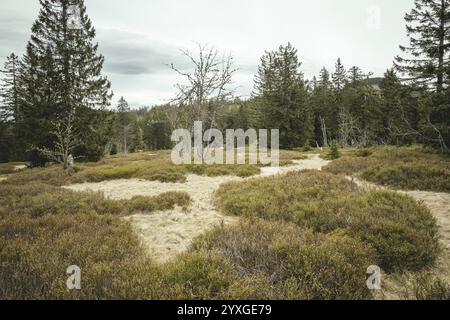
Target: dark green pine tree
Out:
[339,81]
[356,76]
[313,84]
[124,121]
[398,111]
[61,75]
[324,79]
[323,105]
[9,90]
[427,60]
[136,134]
[339,77]
[282,94]
[427,65]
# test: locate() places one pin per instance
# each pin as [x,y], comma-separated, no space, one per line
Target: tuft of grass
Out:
[349,165]
[164,201]
[403,232]
[363,153]
[427,287]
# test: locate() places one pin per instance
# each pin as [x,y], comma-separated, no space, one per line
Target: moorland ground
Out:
[141,227]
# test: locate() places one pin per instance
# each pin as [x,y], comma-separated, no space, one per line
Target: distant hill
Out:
[375,81]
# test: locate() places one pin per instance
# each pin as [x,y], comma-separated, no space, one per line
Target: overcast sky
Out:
[139,37]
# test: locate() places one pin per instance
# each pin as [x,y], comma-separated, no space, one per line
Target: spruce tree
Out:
[392,106]
[137,136]
[339,76]
[355,76]
[324,79]
[334,153]
[281,90]
[61,74]
[427,58]
[427,66]
[123,124]
[9,90]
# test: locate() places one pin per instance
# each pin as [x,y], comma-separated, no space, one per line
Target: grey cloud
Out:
[14,32]
[126,68]
[130,53]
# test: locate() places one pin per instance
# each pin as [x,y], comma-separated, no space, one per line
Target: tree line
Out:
[55,98]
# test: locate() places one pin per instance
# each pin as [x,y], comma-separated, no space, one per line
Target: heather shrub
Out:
[413,176]
[403,233]
[289,262]
[410,168]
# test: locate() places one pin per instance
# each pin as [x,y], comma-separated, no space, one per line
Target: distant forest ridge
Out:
[54,98]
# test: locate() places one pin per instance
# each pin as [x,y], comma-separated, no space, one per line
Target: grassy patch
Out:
[291,263]
[405,168]
[37,200]
[164,201]
[428,287]
[35,253]
[155,166]
[305,235]
[11,167]
[403,233]
[414,176]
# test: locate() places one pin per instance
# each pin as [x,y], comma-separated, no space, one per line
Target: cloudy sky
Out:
[139,37]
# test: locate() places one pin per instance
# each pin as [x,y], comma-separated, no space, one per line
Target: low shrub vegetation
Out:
[36,200]
[412,168]
[6,168]
[36,251]
[412,176]
[333,152]
[403,233]
[153,167]
[304,235]
[428,287]
[291,262]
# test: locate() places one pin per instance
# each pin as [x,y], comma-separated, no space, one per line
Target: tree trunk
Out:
[441,51]
[124,145]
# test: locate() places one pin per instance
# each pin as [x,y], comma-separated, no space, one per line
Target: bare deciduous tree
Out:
[323,127]
[429,131]
[350,133]
[207,85]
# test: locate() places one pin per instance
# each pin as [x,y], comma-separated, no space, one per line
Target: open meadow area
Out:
[308,231]
[225,158]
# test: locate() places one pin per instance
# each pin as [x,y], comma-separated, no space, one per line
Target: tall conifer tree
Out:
[281,90]
[9,90]
[62,74]
[427,59]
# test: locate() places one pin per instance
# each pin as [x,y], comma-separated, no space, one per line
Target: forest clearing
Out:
[161,151]
[152,231]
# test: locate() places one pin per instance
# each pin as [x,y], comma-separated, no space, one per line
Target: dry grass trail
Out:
[168,233]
